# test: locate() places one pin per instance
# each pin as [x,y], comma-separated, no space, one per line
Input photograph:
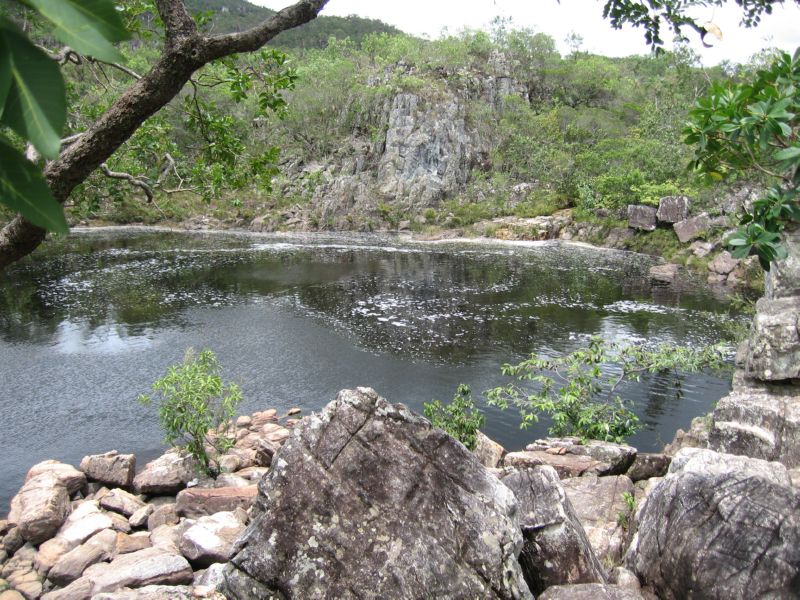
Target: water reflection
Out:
[90,321]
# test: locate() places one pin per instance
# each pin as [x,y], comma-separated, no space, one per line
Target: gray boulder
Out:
[719,526]
[168,474]
[111,468]
[759,420]
[367,499]
[664,273]
[600,505]
[614,458]
[672,209]
[489,453]
[121,502]
[773,347]
[210,539]
[40,507]
[642,217]
[648,465]
[556,549]
[690,229]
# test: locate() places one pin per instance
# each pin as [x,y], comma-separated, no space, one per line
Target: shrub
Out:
[459,418]
[196,408]
[580,398]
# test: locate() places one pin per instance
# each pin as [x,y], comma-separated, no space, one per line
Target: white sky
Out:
[584,17]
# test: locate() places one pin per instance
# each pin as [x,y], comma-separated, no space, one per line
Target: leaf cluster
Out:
[577,391]
[32,97]
[458,418]
[753,127]
[196,408]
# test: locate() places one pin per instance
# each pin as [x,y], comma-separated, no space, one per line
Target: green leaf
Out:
[788,153]
[22,189]
[35,107]
[88,26]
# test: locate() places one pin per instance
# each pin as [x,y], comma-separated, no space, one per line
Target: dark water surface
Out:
[91,321]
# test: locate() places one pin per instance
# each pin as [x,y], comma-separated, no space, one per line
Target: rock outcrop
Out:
[397,509]
[720,526]
[556,549]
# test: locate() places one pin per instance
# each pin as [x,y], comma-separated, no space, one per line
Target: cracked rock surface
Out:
[720,526]
[368,500]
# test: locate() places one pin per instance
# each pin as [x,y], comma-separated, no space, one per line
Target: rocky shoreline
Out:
[367,499]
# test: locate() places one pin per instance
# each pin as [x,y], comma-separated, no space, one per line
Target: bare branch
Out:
[63,56]
[247,41]
[119,67]
[134,181]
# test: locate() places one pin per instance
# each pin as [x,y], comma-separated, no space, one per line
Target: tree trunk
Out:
[185,51]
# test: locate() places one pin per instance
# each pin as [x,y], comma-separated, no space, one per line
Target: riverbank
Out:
[693,242]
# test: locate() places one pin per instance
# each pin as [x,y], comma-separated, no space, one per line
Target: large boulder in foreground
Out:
[40,507]
[719,526]
[556,549]
[368,500]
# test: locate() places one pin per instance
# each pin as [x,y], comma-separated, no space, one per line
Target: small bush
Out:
[459,418]
[196,408]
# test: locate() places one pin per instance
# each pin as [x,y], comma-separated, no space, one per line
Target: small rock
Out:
[664,273]
[68,475]
[111,468]
[701,249]
[642,217]
[293,411]
[723,263]
[86,520]
[122,502]
[198,502]
[40,507]
[210,539]
[647,465]
[127,543]
[167,474]
[71,565]
[166,514]
[49,553]
[243,421]
[692,228]
[672,209]
[139,518]
[556,549]
[489,453]
[259,419]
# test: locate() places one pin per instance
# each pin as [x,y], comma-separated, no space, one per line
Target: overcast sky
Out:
[584,17]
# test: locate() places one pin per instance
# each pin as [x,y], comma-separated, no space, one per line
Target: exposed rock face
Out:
[367,499]
[111,468]
[599,502]
[783,279]
[642,217]
[40,507]
[590,591]
[774,344]
[695,437]
[605,458]
[720,526]
[566,465]
[672,209]
[759,420]
[556,549]
[168,474]
[692,228]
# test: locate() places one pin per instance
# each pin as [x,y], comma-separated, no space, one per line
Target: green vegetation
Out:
[196,408]
[753,127]
[580,397]
[459,418]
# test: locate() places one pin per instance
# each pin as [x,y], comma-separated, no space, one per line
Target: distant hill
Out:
[237,15]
